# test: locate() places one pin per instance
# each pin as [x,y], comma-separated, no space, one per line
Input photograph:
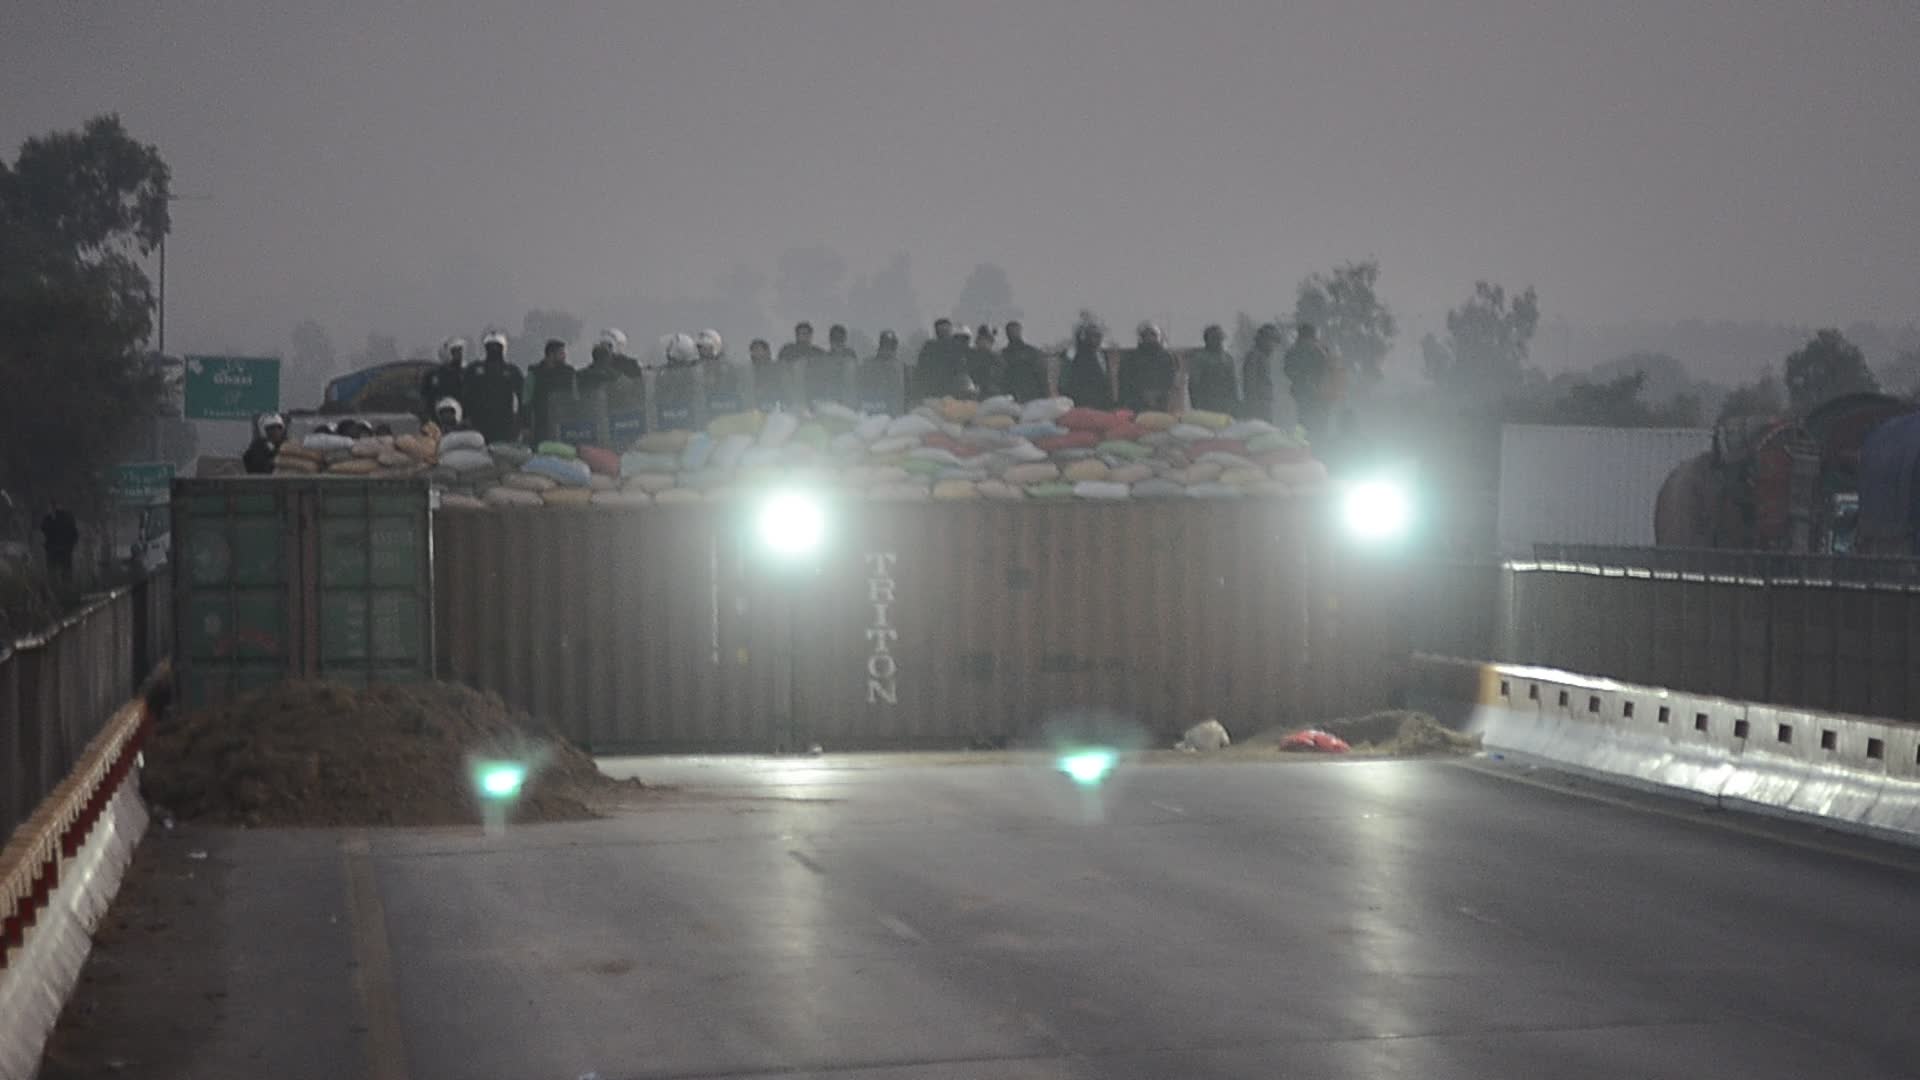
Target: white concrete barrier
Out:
[1848,772]
[58,874]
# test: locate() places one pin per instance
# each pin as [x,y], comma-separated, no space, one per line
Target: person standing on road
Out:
[983,363]
[936,365]
[446,379]
[1256,375]
[61,534]
[270,431]
[826,376]
[1210,381]
[878,383]
[551,378]
[1317,382]
[1023,370]
[772,380]
[801,348]
[837,346]
[1146,373]
[497,389]
[1087,378]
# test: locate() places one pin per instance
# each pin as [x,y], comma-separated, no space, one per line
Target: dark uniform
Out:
[1023,372]
[1146,378]
[495,389]
[447,380]
[1210,382]
[1086,380]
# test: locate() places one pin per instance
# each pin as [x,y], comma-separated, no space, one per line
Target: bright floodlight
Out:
[501,780]
[792,523]
[1088,767]
[1376,510]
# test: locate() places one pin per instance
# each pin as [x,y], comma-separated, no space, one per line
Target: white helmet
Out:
[449,346]
[1148,328]
[709,344]
[613,339]
[447,404]
[960,331]
[495,337]
[272,419]
[680,348]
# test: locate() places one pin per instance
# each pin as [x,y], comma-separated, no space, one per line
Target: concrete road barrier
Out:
[1848,772]
[58,873]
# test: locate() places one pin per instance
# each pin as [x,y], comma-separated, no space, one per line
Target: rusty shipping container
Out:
[670,628]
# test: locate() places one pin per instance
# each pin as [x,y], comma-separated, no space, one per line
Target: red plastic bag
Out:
[1316,741]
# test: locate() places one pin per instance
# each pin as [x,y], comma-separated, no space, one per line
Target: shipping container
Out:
[1586,485]
[672,628]
[311,578]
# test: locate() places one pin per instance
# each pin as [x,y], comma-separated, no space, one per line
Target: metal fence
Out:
[1831,645]
[58,687]
[1724,563]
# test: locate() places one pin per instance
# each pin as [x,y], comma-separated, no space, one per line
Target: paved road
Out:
[850,919]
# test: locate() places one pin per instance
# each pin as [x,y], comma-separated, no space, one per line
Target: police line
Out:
[1850,773]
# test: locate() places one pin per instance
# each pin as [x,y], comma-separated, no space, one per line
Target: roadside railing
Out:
[58,687]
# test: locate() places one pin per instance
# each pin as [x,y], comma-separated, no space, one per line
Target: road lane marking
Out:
[803,860]
[1169,808]
[373,963]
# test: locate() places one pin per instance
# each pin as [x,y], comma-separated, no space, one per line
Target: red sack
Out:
[604,462]
[1074,440]
[1094,420]
[1316,741]
[1127,430]
[1217,446]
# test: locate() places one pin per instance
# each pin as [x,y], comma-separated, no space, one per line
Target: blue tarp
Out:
[1889,459]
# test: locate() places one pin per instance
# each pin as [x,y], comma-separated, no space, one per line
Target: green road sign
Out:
[231,387]
[141,484]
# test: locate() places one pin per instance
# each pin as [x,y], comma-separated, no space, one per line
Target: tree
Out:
[540,326]
[1487,339]
[1760,397]
[986,297]
[1618,402]
[1825,368]
[1902,375]
[1345,306]
[77,210]
[810,283]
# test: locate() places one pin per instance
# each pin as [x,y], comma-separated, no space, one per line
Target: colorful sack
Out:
[602,461]
[509,496]
[559,470]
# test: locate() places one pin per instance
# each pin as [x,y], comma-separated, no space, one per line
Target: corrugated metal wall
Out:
[1585,485]
[925,624]
[1816,645]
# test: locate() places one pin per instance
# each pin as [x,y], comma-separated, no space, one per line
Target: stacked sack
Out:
[945,451]
[389,456]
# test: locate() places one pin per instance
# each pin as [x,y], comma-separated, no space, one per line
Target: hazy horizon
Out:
[431,169]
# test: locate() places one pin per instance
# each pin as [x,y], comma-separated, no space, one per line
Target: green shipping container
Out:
[301,578]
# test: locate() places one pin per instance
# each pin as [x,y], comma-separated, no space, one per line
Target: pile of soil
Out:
[1393,733]
[323,754]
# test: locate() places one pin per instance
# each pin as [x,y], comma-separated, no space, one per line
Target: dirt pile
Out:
[1393,733]
[323,754]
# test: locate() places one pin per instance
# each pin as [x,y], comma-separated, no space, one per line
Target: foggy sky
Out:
[430,167]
